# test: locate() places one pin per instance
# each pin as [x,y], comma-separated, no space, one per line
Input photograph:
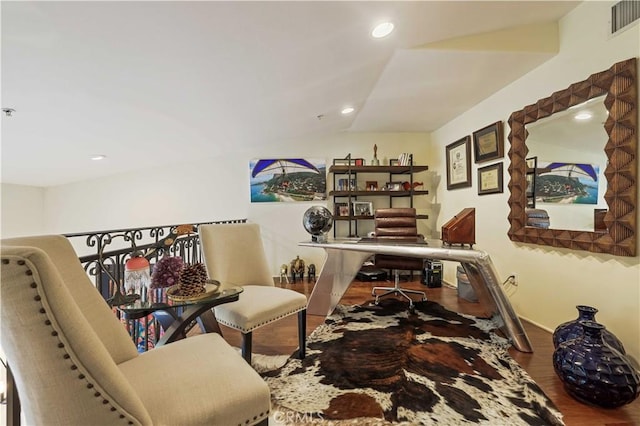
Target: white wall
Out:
[552,281]
[22,210]
[215,189]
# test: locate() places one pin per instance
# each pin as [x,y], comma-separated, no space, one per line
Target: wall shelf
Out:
[351,173]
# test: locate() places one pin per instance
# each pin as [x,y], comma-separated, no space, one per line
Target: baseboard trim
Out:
[532,322]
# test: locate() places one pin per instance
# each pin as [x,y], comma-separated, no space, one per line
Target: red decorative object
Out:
[407,186]
[137,276]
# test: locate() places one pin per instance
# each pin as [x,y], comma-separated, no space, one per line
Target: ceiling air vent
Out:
[624,13]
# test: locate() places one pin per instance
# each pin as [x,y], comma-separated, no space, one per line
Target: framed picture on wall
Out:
[488,143]
[490,179]
[272,180]
[459,163]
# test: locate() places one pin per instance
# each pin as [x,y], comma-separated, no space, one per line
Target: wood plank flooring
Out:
[281,338]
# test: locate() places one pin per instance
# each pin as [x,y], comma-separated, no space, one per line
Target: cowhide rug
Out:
[379,365]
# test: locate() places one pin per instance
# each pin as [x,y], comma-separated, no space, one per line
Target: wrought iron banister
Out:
[156,241]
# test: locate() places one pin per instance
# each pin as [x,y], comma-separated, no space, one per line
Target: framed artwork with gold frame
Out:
[488,143]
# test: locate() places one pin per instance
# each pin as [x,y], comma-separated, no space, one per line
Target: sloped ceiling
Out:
[149,83]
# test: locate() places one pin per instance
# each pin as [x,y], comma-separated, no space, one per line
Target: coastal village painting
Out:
[566,183]
[288,180]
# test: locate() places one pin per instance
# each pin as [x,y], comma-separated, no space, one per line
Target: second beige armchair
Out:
[234,255]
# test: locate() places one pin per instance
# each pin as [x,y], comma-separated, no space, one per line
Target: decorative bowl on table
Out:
[190,292]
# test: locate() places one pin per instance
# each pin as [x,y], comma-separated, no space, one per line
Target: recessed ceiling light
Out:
[382,30]
[585,115]
[98,157]
[348,110]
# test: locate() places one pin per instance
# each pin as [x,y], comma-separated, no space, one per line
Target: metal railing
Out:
[111,249]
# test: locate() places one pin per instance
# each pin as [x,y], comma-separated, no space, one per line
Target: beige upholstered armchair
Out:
[234,255]
[74,364]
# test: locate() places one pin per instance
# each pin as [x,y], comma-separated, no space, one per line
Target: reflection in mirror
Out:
[572,140]
[615,222]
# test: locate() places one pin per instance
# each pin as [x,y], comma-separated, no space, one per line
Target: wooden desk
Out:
[345,258]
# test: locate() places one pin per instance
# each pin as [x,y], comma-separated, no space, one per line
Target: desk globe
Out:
[317,221]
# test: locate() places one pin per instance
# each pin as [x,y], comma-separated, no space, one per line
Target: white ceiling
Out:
[150,83]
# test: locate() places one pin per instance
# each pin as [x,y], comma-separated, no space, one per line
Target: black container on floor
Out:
[432,274]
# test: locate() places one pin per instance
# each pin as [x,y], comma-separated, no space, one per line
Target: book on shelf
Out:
[404,159]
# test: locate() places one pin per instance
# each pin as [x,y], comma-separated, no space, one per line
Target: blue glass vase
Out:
[573,329]
[595,373]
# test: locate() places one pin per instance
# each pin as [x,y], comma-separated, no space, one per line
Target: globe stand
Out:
[319,238]
[317,221]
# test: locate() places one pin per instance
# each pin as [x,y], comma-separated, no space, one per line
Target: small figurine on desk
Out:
[375,161]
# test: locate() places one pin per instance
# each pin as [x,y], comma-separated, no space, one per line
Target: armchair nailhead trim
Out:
[247,330]
[55,333]
[246,422]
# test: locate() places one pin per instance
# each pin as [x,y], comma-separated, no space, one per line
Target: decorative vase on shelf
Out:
[595,373]
[573,329]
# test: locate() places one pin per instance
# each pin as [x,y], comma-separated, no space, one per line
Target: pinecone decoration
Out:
[194,274]
[192,279]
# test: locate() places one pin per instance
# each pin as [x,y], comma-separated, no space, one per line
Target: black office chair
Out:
[397,224]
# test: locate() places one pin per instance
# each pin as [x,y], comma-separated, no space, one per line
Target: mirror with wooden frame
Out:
[617,236]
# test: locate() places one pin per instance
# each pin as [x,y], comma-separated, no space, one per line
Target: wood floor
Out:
[281,338]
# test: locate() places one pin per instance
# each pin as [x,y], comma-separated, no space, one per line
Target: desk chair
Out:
[234,255]
[73,362]
[397,224]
